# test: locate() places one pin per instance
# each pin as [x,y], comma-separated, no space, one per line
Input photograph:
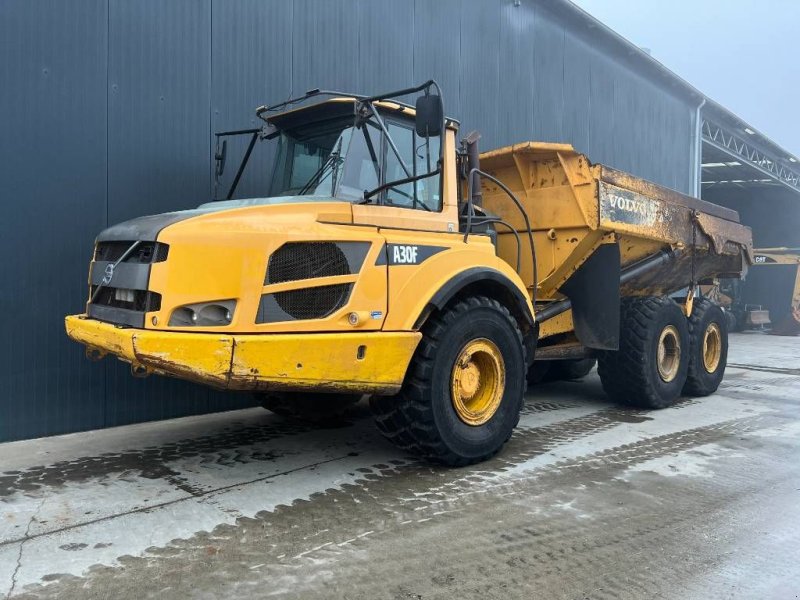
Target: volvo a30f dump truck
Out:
[392,260]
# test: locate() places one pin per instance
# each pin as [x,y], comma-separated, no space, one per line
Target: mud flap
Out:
[594,292]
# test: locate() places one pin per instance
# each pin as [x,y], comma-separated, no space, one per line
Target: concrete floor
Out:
[588,500]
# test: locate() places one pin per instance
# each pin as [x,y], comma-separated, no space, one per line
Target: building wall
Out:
[110,107]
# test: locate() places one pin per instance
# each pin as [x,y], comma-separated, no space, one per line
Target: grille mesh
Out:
[306,260]
[144,253]
[312,303]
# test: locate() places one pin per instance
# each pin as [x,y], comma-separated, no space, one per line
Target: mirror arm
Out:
[243,164]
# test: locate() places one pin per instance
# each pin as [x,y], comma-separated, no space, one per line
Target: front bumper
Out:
[357,362]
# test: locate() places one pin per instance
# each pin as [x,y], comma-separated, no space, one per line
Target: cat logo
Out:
[404,255]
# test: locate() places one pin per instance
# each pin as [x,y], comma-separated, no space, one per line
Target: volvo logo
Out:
[109,274]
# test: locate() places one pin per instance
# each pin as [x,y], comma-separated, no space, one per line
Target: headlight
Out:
[207,314]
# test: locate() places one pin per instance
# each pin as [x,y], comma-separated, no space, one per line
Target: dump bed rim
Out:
[616,177]
[621,179]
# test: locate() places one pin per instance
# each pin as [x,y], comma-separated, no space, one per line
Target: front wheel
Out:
[464,389]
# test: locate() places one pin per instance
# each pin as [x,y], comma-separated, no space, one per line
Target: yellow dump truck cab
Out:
[319,292]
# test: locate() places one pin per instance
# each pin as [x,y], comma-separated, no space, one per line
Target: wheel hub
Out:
[478,381]
[669,353]
[712,347]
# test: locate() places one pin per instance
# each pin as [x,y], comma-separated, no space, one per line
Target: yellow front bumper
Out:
[357,362]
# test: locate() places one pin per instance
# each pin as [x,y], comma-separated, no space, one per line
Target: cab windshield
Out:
[335,159]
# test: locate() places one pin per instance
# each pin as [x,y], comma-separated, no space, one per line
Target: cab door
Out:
[419,205]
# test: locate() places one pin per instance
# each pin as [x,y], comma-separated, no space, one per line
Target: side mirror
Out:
[220,156]
[430,114]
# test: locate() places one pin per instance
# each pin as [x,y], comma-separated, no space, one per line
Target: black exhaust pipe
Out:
[473,162]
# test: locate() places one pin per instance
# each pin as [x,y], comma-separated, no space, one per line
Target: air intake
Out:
[295,261]
[306,303]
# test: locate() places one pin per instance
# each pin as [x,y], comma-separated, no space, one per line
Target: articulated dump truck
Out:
[392,260]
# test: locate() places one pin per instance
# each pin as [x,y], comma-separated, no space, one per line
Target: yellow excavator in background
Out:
[771,291]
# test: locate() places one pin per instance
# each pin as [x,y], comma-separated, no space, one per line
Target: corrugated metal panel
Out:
[386,55]
[251,65]
[325,45]
[115,104]
[479,68]
[437,47]
[517,73]
[548,90]
[158,158]
[53,164]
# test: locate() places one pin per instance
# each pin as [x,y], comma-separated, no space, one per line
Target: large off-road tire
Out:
[708,348]
[649,370]
[307,406]
[464,388]
[571,370]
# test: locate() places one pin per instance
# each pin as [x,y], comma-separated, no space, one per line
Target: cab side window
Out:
[419,156]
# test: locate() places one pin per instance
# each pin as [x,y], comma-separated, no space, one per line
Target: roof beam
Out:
[736,146]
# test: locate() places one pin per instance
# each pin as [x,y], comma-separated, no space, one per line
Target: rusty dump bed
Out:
[575,207]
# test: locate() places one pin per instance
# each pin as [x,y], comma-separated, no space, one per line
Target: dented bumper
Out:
[357,362]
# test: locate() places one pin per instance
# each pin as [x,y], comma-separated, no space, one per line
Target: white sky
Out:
[744,54]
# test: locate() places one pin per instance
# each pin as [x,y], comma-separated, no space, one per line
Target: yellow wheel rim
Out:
[712,347]
[478,381]
[669,353]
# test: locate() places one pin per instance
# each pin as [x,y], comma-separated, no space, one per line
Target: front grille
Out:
[145,253]
[307,303]
[306,260]
[143,301]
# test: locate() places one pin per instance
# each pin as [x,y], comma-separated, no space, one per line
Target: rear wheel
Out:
[308,406]
[464,388]
[649,369]
[708,348]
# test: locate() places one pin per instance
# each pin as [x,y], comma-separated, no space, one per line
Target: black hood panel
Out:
[146,228]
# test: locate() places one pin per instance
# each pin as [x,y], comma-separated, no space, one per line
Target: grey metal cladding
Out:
[129,276]
[386,56]
[251,63]
[53,157]
[117,316]
[270,312]
[145,228]
[354,253]
[159,95]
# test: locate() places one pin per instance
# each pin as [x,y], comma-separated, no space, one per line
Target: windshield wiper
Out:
[333,159]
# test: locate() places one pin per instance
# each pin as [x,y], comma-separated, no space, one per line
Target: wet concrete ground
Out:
[588,500]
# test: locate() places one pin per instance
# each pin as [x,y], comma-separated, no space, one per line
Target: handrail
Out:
[471,210]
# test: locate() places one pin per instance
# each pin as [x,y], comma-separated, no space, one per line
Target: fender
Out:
[477,274]
[417,290]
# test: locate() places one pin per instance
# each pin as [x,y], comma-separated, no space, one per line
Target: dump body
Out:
[576,207]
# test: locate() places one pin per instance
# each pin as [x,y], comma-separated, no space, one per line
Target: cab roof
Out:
[338,106]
